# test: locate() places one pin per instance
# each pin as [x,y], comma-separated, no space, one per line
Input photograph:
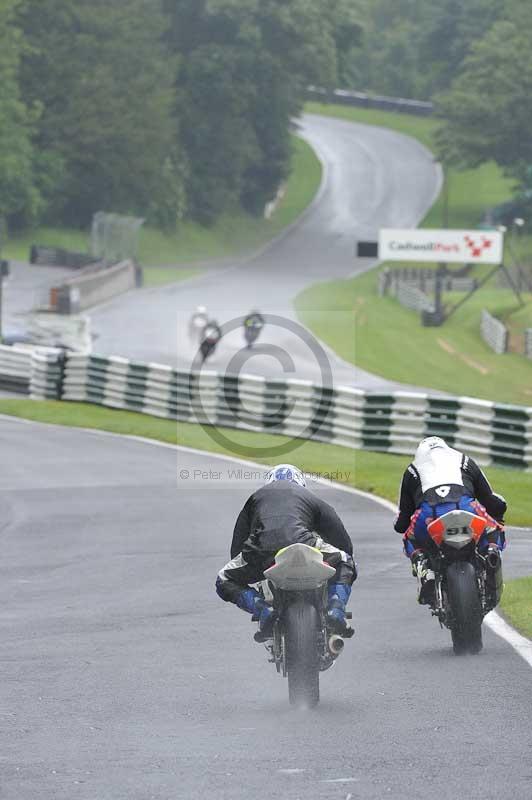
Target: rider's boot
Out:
[422,570]
[338,595]
[266,617]
[251,601]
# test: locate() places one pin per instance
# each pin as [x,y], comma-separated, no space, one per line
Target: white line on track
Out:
[521,645]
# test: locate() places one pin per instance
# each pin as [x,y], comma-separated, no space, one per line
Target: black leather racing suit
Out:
[277,515]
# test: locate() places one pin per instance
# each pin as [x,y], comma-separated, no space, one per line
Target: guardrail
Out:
[363,100]
[393,423]
[58,257]
[494,333]
[418,288]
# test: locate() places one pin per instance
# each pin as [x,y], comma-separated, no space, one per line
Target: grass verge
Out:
[377,473]
[160,276]
[516,605]
[384,338]
[387,339]
[233,233]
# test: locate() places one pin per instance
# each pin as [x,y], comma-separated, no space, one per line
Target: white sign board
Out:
[465,247]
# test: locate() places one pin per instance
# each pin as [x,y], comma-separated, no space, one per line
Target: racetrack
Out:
[373,177]
[124,677]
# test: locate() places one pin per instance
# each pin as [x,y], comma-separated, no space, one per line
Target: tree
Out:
[108,134]
[245,65]
[19,198]
[450,28]
[413,48]
[488,112]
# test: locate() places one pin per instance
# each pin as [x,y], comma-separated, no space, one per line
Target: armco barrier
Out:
[57,257]
[392,423]
[350,98]
[494,333]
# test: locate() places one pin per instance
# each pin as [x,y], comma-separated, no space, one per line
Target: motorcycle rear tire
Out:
[462,590]
[301,648]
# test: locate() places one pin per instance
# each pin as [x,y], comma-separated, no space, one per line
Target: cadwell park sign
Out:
[456,246]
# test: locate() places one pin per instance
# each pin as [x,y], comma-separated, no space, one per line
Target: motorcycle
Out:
[196,326]
[207,348]
[211,335]
[251,333]
[467,584]
[302,645]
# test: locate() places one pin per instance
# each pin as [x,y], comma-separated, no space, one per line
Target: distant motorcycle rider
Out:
[211,335]
[253,325]
[279,514]
[441,479]
[197,323]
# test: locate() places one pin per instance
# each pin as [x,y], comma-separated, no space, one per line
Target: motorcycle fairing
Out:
[456,528]
[299,567]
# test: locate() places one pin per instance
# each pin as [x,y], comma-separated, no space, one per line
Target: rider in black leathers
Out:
[280,514]
[253,324]
[211,335]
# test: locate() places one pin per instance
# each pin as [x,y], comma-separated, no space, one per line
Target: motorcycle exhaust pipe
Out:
[336,644]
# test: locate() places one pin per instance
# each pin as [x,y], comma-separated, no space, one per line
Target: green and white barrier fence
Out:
[36,371]
[393,423]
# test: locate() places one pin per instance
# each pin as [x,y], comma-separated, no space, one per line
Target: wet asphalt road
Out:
[26,289]
[373,178]
[125,678]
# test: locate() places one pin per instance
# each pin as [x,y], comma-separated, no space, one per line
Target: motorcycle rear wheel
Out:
[302,661]
[462,590]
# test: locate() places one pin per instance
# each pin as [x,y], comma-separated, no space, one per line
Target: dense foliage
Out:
[244,68]
[160,108]
[413,48]
[487,109]
[19,197]
[174,108]
[472,58]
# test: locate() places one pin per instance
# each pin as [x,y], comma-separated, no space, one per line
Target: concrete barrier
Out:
[528,342]
[92,287]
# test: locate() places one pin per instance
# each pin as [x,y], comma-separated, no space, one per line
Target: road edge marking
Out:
[520,644]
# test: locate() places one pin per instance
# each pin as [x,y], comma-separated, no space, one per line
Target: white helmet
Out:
[286,472]
[201,310]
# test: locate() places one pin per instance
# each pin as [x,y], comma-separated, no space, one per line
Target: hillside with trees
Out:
[182,109]
[169,109]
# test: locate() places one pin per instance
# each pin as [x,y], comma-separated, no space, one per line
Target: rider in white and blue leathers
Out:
[442,479]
